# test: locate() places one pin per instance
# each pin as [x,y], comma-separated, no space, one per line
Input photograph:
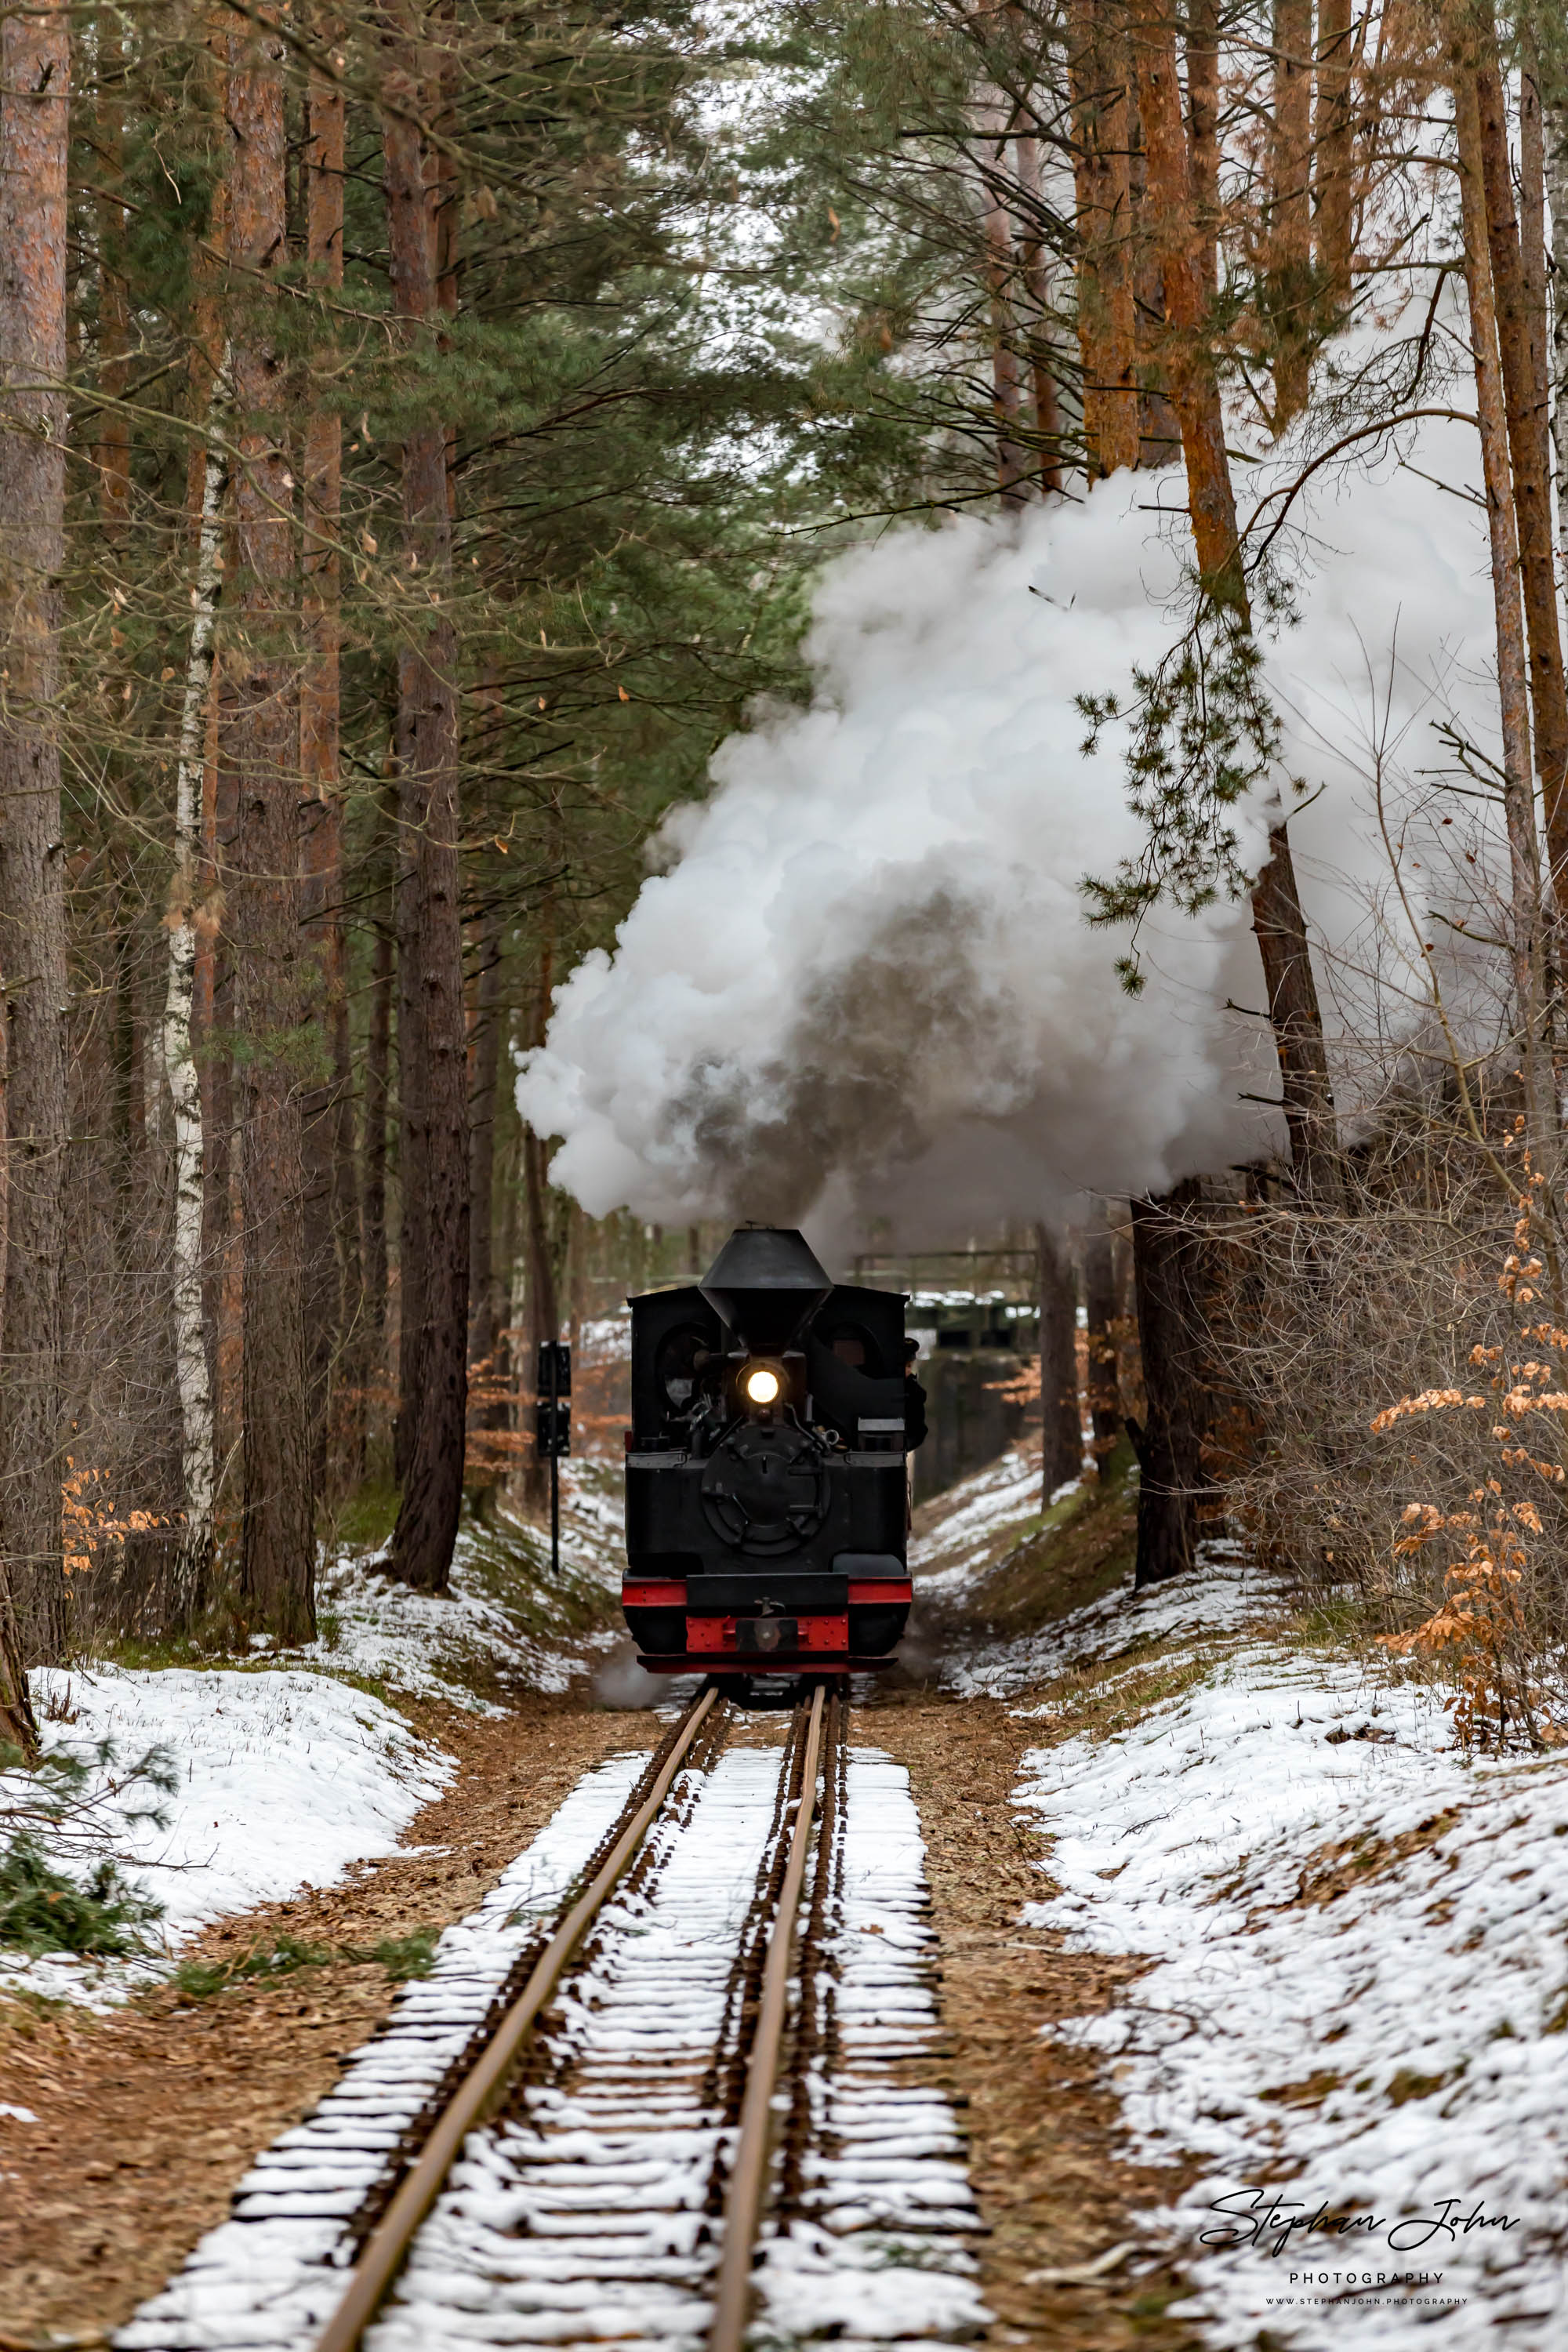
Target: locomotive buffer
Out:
[767,1508]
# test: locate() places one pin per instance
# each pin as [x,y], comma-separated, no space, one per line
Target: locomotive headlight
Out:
[762,1385]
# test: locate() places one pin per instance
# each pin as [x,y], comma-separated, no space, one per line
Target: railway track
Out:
[683,2089]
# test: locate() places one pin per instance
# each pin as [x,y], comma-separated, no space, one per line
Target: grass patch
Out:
[402,1956]
[1080,1550]
[364,1520]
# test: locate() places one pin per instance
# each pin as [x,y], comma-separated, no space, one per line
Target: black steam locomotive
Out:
[766,1506]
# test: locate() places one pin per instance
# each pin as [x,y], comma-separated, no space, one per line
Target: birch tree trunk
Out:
[278,1543]
[1519,800]
[35,106]
[199,1478]
[1277,919]
[432,1056]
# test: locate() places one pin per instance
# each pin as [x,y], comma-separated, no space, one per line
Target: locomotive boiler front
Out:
[766,1508]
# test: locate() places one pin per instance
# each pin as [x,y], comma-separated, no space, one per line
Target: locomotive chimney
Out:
[765,1284]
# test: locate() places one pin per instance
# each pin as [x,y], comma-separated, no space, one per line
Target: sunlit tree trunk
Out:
[35,106]
[1524,364]
[1519,799]
[278,1538]
[1276,918]
[1035,283]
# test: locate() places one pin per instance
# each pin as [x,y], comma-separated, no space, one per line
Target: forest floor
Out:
[1224,1922]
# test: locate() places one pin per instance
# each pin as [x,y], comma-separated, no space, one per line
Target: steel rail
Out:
[385,2249]
[743,2202]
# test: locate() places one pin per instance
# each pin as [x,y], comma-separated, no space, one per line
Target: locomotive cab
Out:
[766,1501]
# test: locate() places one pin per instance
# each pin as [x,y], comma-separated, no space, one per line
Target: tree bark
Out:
[377,1060]
[1289,273]
[1555,112]
[332,1237]
[1167,1442]
[112,453]
[1036,286]
[1277,919]
[1100,1313]
[1107,326]
[1203,131]
[277,1542]
[193,1375]
[1333,146]
[19,1725]
[487,1017]
[1007,396]
[34,105]
[1061,1424]
[1529,445]
[434,1128]
[1519,800]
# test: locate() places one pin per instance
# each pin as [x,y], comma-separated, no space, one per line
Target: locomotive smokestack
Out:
[765,1284]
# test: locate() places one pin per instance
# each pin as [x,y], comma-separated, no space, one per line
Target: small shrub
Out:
[41,1910]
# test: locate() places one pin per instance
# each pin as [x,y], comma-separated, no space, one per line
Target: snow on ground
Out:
[285,1778]
[427,1645]
[1356,2006]
[1004,1495]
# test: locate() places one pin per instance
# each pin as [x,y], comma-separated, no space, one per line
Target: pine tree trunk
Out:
[377,1065]
[1106,324]
[1203,130]
[331,1236]
[1036,286]
[1167,1442]
[1061,1424]
[1519,799]
[1288,279]
[193,1373]
[1332,138]
[112,452]
[34,105]
[278,1541]
[1100,1312]
[18,1725]
[435,1395]
[1277,919]
[1007,395]
[482,1152]
[1517,320]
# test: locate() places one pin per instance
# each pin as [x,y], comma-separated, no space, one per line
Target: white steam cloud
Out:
[867,988]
